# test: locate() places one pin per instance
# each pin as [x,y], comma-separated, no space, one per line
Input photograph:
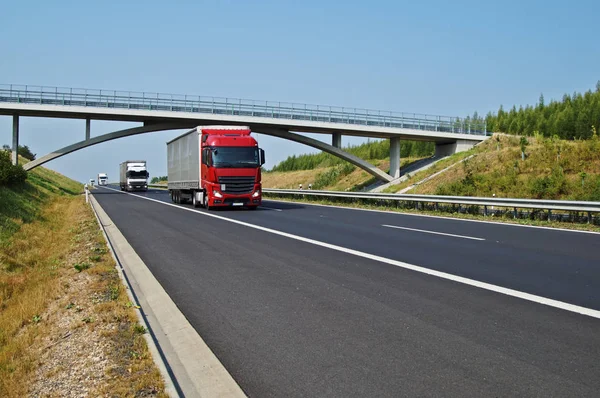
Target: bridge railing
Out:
[236,107]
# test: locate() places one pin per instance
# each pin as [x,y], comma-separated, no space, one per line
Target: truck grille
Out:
[237,185]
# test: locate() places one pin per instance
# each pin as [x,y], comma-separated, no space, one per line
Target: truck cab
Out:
[231,168]
[133,175]
[102,179]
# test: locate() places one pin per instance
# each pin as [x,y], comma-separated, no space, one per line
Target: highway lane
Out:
[560,265]
[288,318]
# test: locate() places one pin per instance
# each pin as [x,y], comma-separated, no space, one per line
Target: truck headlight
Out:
[256,193]
[217,194]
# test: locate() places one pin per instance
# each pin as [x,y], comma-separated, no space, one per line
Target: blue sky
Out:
[436,57]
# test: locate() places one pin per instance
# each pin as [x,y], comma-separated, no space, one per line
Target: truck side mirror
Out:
[262,156]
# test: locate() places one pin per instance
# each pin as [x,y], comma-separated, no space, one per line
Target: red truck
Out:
[215,166]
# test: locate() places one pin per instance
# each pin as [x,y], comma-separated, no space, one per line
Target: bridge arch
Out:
[149,128]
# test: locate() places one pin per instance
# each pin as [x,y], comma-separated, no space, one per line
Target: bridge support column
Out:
[87,129]
[336,140]
[395,157]
[447,149]
[15,142]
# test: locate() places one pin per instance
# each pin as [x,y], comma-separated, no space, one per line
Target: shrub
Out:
[10,174]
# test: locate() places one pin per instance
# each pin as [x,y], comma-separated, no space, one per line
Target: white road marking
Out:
[455,278]
[270,208]
[433,232]
[399,213]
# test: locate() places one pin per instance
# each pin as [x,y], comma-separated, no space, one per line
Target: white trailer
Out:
[133,175]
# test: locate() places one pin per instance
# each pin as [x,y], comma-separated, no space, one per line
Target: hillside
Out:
[22,203]
[325,171]
[552,169]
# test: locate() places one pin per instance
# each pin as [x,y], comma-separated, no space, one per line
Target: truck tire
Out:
[205,201]
[195,203]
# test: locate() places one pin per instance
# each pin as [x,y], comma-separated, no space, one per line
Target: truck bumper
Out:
[219,199]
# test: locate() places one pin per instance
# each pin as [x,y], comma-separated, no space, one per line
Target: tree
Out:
[523,144]
[26,152]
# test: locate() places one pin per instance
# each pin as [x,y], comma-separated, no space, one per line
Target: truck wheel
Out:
[194,200]
[205,201]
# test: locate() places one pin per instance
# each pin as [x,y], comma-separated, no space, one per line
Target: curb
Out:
[187,364]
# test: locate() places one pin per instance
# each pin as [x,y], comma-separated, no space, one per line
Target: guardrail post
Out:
[589,217]
[549,214]
[485,213]
[515,213]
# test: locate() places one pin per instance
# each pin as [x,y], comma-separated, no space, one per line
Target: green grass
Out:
[22,204]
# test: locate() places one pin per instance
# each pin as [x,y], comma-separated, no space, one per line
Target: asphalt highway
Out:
[288,317]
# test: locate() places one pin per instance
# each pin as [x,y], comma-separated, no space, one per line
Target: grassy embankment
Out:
[325,171]
[66,324]
[552,169]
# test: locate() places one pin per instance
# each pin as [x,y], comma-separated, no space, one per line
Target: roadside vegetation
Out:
[67,327]
[159,180]
[519,167]
[325,171]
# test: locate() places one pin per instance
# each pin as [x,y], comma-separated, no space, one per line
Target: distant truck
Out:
[215,166]
[102,179]
[133,175]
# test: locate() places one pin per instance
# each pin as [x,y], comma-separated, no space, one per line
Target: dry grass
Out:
[291,179]
[65,332]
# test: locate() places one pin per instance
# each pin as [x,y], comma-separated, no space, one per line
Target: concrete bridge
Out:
[160,112]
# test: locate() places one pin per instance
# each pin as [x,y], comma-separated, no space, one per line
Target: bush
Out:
[156,180]
[10,175]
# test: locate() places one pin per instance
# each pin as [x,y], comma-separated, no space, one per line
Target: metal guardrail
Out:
[238,107]
[576,206]
[565,205]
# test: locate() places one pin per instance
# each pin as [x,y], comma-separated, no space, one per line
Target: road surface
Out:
[288,317]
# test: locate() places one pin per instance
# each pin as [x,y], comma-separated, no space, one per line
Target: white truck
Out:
[133,175]
[102,179]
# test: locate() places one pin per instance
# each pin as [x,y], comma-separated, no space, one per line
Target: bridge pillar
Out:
[87,129]
[15,142]
[336,140]
[395,157]
[447,149]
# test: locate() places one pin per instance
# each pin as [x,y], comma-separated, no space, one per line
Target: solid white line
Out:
[455,278]
[432,232]
[508,224]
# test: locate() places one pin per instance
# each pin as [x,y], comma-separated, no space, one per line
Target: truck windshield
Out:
[136,174]
[238,157]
